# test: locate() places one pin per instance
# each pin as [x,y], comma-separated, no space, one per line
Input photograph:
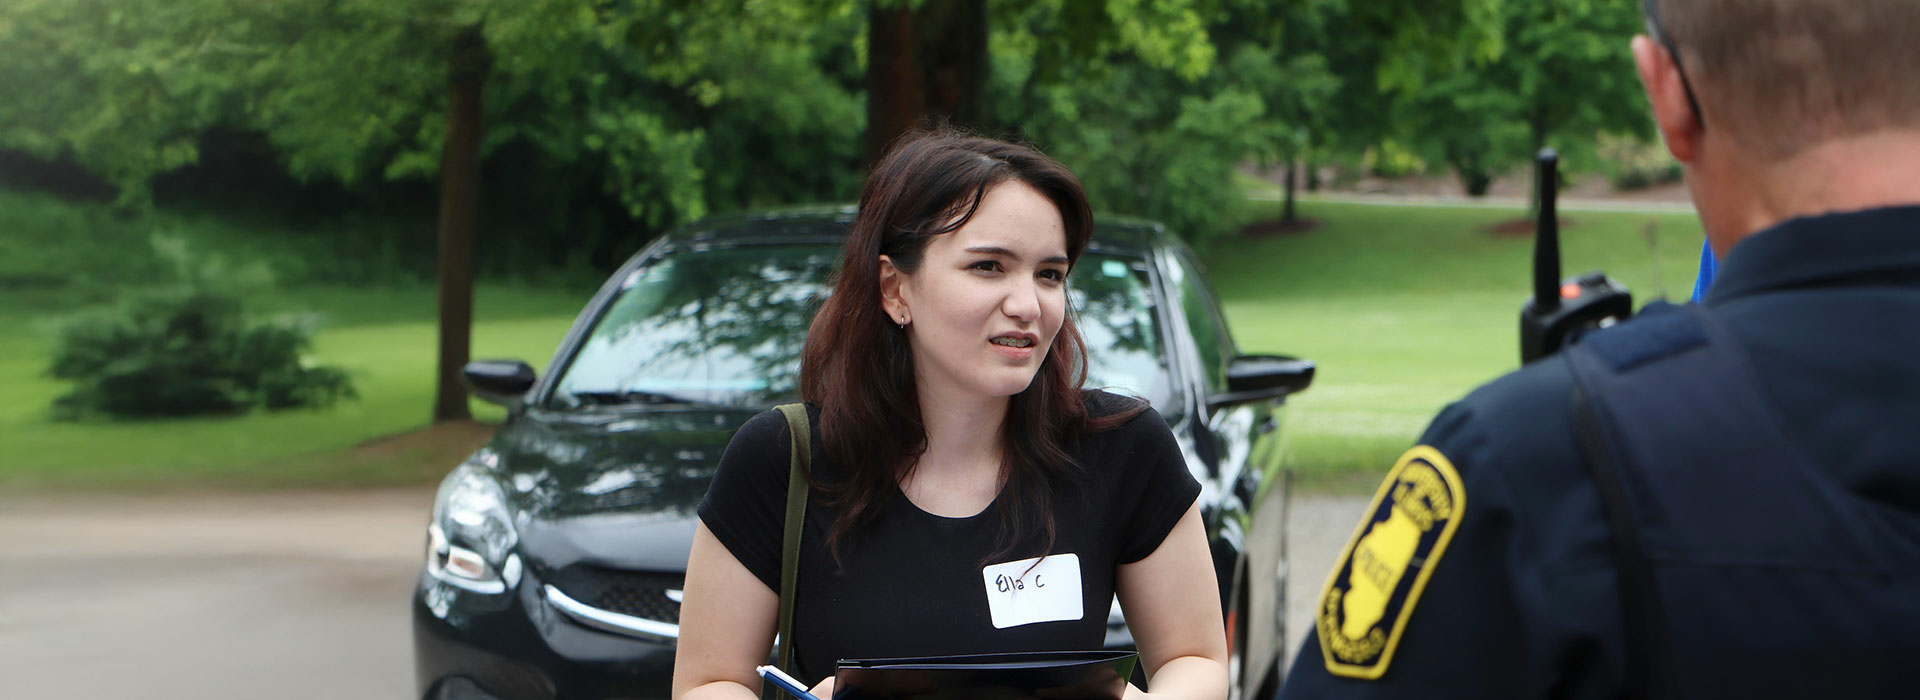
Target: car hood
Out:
[611,489]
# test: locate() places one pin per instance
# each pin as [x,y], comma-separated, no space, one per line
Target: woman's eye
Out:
[987,265]
[1054,275]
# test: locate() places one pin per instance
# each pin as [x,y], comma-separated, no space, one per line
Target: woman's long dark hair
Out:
[858,366]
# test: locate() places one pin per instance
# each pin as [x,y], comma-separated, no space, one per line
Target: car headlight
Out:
[471,536]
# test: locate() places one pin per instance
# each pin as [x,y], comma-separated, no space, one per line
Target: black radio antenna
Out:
[1561,310]
[1546,233]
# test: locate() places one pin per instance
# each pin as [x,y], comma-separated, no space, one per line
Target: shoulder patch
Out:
[1372,590]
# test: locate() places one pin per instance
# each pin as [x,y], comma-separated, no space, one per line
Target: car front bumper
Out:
[521,645]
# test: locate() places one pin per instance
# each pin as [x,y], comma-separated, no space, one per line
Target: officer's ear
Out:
[1672,111]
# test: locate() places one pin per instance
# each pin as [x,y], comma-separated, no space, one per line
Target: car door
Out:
[1243,443]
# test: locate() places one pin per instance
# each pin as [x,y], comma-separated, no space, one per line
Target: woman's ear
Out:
[893,297]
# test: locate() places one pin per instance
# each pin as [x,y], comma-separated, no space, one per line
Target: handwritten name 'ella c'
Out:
[1008,584]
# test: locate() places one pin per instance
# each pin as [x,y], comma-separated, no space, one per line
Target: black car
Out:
[556,553]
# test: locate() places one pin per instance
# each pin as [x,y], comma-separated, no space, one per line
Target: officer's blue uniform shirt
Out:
[1505,577]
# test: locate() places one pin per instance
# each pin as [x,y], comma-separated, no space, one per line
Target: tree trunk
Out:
[1286,210]
[953,49]
[1475,180]
[468,64]
[894,92]
[1472,170]
[923,65]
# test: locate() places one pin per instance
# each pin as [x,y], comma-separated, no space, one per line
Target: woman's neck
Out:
[960,473]
[963,434]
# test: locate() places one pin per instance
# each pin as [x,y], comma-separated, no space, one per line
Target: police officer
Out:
[1720,500]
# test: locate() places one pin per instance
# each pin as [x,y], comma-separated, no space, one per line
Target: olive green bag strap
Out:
[797,467]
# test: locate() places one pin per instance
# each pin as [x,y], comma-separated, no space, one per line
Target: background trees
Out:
[1563,76]
[514,138]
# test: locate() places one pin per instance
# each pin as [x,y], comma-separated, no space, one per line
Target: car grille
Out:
[640,594]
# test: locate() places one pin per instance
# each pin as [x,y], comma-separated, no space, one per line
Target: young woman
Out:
[953,448]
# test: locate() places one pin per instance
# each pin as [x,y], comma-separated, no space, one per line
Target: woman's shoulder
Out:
[1122,425]
[1137,453]
[764,425]
[1106,405]
[768,434]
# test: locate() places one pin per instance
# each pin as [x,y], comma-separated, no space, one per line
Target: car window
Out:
[721,326]
[1204,321]
[726,325]
[1114,308]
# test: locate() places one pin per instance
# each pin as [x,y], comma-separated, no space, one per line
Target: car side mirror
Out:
[1263,377]
[503,382]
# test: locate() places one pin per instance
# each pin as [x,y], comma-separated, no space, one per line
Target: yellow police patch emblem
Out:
[1372,591]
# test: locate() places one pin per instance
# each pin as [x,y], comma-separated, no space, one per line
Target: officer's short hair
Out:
[1782,75]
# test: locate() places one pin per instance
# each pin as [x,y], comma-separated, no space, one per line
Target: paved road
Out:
[283,596]
[1317,530]
[287,596]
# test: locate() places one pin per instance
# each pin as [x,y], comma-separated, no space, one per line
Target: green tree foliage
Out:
[190,348]
[1159,130]
[1280,52]
[673,109]
[1348,62]
[1562,77]
[1155,103]
[668,110]
[1144,145]
[1101,86]
[124,89]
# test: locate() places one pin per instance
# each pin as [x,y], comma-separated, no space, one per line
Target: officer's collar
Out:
[1825,248]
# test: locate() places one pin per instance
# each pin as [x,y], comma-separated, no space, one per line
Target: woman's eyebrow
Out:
[1005,253]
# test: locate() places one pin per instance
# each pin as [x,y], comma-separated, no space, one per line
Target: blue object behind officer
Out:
[1709,268]
[1763,441]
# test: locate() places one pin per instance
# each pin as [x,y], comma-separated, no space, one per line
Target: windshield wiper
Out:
[629,397]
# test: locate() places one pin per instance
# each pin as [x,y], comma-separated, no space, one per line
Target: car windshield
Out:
[725,325]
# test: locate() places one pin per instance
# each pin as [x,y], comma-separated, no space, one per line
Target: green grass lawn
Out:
[59,257]
[1405,309]
[384,336]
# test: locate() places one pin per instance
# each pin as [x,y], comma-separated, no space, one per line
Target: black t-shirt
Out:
[915,584]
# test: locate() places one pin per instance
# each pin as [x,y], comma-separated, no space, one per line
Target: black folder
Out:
[1051,675]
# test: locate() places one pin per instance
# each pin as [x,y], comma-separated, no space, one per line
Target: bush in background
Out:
[1390,158]
[1632,164]
[190,348]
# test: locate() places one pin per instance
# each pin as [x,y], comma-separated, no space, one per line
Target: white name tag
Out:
[1022,593]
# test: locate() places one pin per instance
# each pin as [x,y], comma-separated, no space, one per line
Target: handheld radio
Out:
[1561,310]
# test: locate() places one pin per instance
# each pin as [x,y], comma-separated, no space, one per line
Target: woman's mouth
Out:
[1016,346]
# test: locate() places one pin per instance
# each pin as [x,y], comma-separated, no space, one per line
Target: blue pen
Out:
[786,682]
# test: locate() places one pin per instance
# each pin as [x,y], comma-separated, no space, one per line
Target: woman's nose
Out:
[1022,302]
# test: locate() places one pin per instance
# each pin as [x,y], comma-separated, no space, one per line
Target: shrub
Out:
[1631,164]
[1391,159]
[190,349]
